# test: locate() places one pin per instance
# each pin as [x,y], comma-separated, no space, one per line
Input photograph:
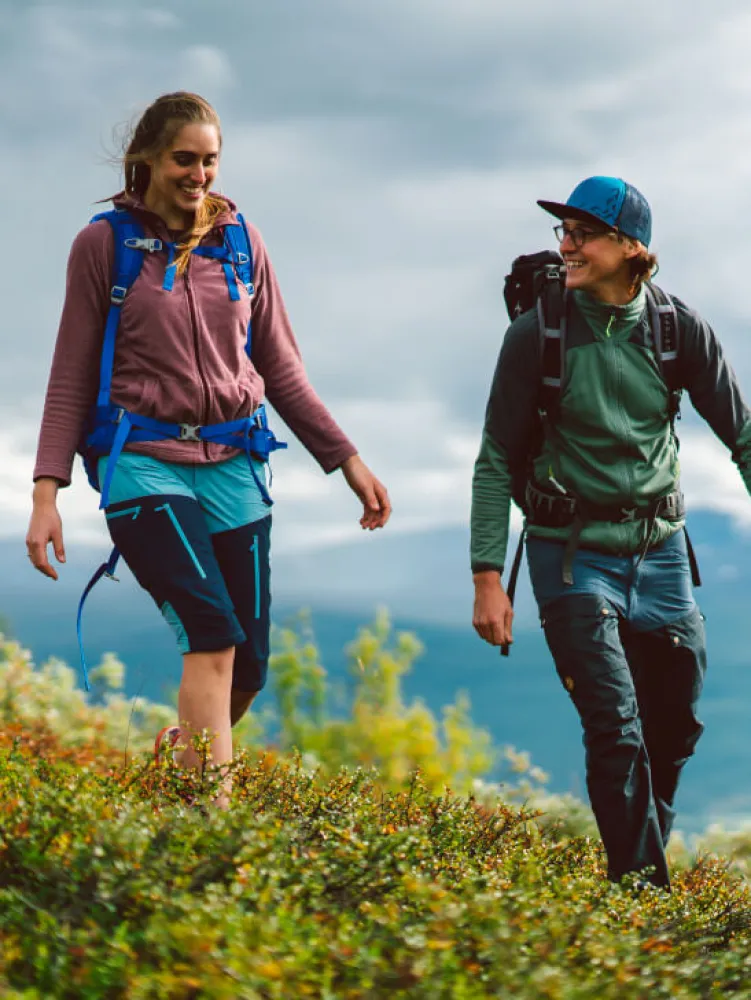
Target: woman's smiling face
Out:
[182,174]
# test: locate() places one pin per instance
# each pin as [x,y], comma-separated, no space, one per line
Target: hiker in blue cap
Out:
[579,430]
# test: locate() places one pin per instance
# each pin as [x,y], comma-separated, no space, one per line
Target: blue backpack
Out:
[108,426]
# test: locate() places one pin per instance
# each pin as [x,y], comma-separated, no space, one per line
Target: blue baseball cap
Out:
[607,200]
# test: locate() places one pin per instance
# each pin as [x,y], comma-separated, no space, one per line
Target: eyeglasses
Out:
[578,235]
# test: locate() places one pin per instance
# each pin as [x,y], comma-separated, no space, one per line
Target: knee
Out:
[613,750]
[211,665]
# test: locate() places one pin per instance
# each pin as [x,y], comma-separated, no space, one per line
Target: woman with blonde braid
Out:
[189,514]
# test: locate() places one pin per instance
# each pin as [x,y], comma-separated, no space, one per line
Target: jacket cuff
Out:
[481,567]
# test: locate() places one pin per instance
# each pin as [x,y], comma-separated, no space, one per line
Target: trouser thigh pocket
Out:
[672,663]
[583,636]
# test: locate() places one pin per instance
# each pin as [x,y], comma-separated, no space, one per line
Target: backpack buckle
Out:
[142,243]
[117,294]
[189,432]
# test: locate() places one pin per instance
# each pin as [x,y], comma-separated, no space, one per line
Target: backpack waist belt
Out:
[117,426]
[559,510]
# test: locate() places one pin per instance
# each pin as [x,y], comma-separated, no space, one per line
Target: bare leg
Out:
[240,703]
[203,702]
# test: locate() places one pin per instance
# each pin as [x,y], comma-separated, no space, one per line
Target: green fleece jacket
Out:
[611,443]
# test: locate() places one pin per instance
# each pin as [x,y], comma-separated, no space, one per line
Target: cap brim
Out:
[562,211]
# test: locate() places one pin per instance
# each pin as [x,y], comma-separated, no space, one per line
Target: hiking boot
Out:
[165,742]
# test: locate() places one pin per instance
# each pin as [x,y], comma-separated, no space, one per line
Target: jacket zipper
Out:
[620,409]
[204,385]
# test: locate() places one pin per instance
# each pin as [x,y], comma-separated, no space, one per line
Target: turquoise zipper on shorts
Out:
[184,538]
[135,511]
[257,575]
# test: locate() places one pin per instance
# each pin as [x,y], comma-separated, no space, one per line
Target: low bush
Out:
[345,868]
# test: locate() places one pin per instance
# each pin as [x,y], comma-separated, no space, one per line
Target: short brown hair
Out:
[642,267]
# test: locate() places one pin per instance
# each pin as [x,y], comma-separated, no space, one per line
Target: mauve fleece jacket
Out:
[180,355]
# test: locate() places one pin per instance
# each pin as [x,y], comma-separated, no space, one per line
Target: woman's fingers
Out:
[370,491]
[377,506]
[38,556]
[45,528]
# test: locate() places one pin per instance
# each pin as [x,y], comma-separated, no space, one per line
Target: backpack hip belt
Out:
[116,426]
[552,510]
[558,510]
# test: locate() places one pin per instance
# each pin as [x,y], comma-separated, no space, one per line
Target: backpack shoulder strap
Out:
[130,241]
[238,243]
[666,334]
[551,322]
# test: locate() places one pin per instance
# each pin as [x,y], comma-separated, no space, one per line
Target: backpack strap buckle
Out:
[189,432]
[117,294]
[143,243]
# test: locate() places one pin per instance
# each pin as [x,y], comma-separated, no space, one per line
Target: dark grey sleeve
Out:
[511,424]
[512,417]
[713,387]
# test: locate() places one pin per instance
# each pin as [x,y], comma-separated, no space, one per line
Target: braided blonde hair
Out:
[153,133]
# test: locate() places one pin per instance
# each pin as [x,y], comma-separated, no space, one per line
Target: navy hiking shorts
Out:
[208,576]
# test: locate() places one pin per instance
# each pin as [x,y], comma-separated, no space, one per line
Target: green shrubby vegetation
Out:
[365,855]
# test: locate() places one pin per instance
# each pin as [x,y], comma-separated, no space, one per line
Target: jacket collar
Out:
[133,203]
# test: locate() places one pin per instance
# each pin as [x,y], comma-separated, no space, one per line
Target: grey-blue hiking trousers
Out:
[636,691]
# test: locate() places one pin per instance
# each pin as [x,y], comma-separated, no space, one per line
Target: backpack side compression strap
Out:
[129,242]
[238,243]
[666,338]
[666,333]
[551,319]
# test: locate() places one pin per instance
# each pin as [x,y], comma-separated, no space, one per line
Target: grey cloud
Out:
[391,155]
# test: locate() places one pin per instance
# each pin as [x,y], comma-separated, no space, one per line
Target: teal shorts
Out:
[226,492]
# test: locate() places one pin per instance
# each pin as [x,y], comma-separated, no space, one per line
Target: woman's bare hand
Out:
[372,493]
[45,526]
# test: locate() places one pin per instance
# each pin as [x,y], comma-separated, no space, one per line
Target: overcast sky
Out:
[391,154]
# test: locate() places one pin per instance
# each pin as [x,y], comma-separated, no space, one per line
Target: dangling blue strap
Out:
[121,436]
[171,269]
[106,569]
[261,486]
[229,274]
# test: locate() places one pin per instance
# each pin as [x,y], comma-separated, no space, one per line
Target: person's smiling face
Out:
[597,259]
[183,173]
